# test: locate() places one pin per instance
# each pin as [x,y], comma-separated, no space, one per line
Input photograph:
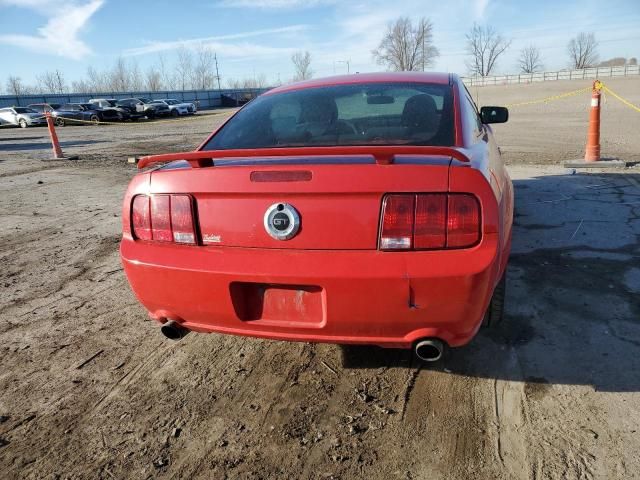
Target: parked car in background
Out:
[111,104]
[362,209]
[145,107]
[82,113]
[22,117]
[177,107]
[44,107]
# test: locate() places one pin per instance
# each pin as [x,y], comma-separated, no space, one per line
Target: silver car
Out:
[22,117]
[177,107]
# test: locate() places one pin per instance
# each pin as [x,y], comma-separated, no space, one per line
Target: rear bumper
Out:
[389,299]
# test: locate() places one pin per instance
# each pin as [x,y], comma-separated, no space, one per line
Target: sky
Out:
[253,37]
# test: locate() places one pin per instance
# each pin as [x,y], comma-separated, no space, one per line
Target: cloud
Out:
[59,36]
[480,8]
[154,47]
[274,4]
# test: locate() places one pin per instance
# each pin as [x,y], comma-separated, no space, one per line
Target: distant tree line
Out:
[405,46]
[408,46]
[190,70]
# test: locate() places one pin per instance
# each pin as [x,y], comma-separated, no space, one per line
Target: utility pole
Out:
[215,57]
[348,62]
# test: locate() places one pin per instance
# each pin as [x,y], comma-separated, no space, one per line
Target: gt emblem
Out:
[281,221]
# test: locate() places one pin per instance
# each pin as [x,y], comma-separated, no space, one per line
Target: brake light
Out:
[397,223]
[430,229]
[429,221]
[182,219]
[463,222]
[141,218]
[163,218]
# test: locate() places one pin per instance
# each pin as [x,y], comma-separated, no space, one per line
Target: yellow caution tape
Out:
[552,98]
[626,102]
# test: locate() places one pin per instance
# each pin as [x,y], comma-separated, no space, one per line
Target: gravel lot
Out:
[90,388]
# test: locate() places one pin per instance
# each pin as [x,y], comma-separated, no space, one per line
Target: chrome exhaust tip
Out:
[429,350]
[173,330]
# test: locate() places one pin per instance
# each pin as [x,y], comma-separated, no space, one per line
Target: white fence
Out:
[596,72]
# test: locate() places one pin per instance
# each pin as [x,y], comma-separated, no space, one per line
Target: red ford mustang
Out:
[364,209]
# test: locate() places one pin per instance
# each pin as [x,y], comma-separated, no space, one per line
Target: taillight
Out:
[463,221]
[429,221]
[140,217]
[182,219]
[163,218]
[397,222]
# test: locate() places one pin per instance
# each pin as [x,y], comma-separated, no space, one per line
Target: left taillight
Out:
[163,218]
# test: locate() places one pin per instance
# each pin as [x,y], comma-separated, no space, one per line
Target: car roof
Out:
[360,78]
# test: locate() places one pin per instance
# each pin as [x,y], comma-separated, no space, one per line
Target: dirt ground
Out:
[90,389]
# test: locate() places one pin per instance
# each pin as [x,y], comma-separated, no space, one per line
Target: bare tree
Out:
[15,86]
[302,65]
[119,77]
[153,79]
[485,46]
[407,47]
[529,60]
[259,81]
[203,71]
[169,79]
[136,81]
[234,83]
[583,51]
[52,82]
[184,67]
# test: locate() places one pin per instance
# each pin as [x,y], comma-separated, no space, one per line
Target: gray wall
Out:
[206,98]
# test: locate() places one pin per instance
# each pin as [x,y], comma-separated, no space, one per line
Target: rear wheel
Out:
[495,313]
[60,122]
[94,119]
[174,113]
[23,123]
[151,115]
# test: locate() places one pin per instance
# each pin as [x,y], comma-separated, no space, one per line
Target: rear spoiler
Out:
[383,155]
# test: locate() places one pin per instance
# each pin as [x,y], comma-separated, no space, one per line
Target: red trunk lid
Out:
[338,201]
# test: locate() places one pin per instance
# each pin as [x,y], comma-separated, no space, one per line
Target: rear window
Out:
[366,114]
[24,110]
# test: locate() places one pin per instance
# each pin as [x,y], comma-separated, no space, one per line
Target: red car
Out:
[362,209]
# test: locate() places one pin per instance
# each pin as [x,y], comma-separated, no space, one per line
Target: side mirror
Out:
[494,114]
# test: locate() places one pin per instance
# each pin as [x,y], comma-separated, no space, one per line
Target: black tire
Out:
[94,119]
[23,123]
[151,115]
[174,113]
[495,313]
[60,122]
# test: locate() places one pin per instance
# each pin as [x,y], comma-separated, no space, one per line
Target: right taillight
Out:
[163,218]
[463,221]
[428,221]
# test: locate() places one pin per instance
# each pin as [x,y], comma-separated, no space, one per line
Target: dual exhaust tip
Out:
[428,350]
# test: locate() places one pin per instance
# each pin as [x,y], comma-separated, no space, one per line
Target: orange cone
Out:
[57,151]
[592,153]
